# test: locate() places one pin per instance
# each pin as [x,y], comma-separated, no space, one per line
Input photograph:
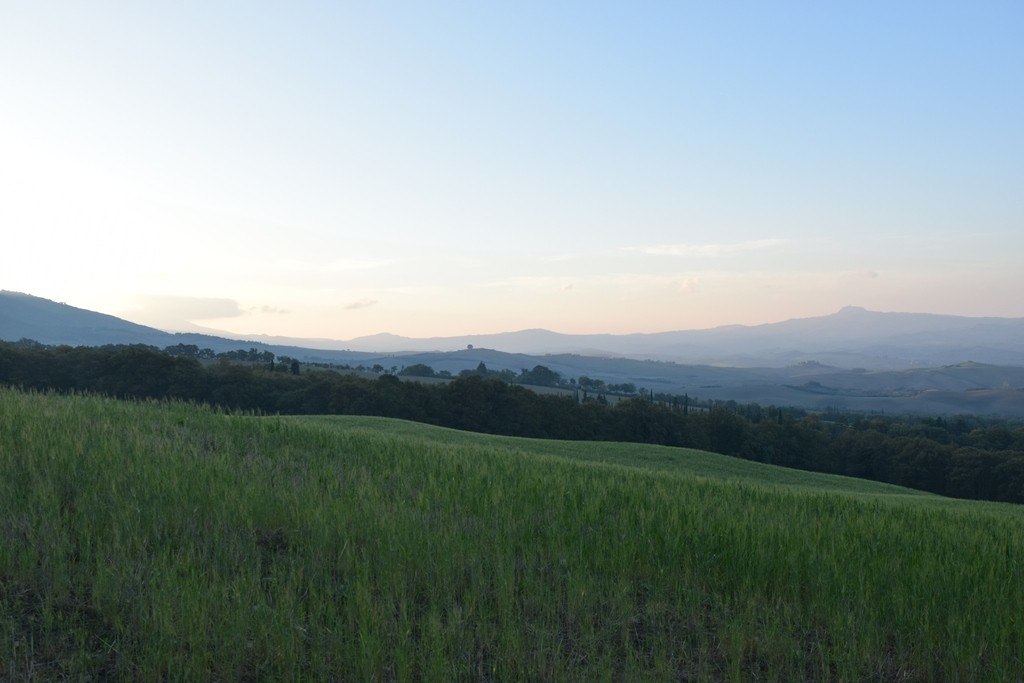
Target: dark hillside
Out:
[28,317]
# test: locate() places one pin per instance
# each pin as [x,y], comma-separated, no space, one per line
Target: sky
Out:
[340,169]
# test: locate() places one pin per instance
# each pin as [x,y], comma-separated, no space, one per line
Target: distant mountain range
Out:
[856,359]
[853,337]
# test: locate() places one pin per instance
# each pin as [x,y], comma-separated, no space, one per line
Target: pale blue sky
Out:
[341,169]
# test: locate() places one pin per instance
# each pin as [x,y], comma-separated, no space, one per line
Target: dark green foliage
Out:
[963,457]
[540,376]
[417,370]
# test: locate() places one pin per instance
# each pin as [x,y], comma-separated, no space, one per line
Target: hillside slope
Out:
[49,322]
[142,539]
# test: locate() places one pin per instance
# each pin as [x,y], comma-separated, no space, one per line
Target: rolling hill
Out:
[852,337]
[142,541]
[913,363]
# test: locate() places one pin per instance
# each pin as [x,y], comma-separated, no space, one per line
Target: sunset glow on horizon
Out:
[331,170]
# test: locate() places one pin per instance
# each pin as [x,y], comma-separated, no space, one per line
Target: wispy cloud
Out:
[362,303]
[706,250]
[269,309]
[860,275]
[607,283]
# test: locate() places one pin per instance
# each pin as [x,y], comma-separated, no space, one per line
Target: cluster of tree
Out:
[421,370]
[539,376]
[968,457]
[252,355]
[599,386]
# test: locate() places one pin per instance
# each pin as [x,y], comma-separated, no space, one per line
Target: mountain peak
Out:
[852,310]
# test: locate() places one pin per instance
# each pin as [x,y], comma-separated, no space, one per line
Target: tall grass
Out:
[140,542]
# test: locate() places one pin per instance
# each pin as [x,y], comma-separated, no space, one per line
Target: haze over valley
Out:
[853,359]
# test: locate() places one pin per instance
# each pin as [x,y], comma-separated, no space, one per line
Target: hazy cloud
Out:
[706,250]
[179,313]
[189,307]
[269,309]
[362,303]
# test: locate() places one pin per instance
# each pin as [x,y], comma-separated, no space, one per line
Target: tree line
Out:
[961,456]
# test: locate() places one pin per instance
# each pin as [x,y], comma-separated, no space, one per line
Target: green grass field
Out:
[167,541]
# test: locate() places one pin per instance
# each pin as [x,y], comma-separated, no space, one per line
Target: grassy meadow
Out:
[168,541]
